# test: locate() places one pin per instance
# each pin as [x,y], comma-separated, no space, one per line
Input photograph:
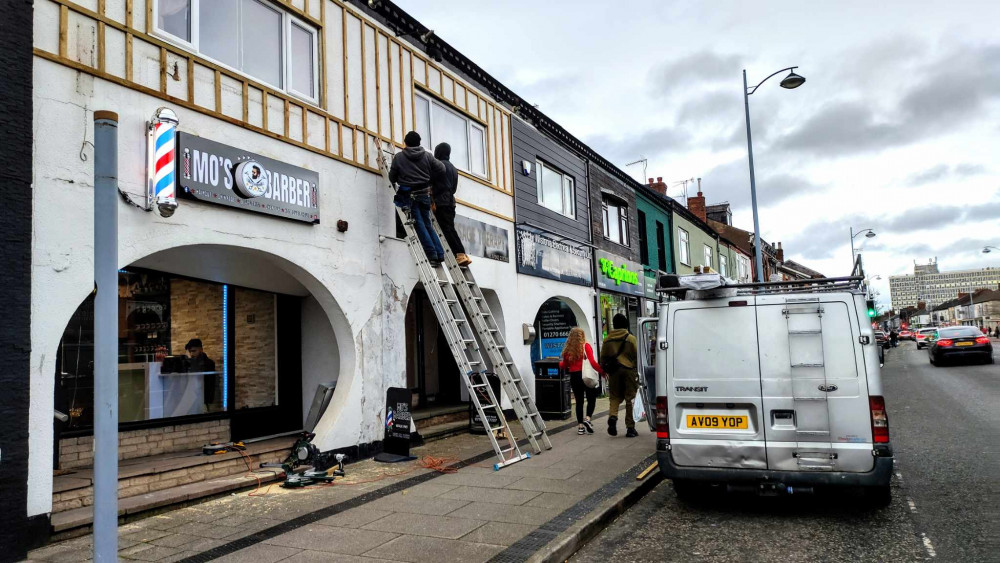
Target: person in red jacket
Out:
[574,352]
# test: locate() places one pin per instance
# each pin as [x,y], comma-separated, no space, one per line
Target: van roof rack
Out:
[671,284]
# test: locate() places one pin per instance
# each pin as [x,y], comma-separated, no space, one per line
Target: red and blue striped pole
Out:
[162,165]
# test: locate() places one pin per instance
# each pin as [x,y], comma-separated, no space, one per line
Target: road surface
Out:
[945,428]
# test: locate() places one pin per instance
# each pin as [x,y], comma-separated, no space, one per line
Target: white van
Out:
[773,387]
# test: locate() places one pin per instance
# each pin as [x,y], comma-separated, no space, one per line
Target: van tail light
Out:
[982,340]
[662,422]
[944,343]
[880,420]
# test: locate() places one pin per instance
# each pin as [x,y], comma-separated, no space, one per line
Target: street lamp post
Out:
[868,234]
[988,249]
[789,82]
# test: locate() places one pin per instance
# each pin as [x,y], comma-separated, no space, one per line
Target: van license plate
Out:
[719,421]
[963,343]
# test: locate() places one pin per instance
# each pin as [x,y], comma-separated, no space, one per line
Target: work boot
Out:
[462,259]
[631,433]
[612,425]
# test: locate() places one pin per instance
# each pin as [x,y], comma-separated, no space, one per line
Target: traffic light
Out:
[871,308]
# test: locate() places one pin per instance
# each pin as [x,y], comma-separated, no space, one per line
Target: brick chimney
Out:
[696,205]
[658,185]
[779,252]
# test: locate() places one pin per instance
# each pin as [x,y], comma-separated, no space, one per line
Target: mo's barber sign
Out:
[224,175]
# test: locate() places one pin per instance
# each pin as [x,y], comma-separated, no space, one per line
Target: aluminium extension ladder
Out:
[459,335]
[806,358]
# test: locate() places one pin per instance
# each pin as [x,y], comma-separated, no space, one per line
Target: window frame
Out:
[723,265]
[470,124]
[643,237]
[709,256]
[287,19]
[661,246]
[621,221]
[540,165]
[683,246]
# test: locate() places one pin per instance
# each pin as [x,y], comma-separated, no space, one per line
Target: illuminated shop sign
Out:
[216,173]
[615,273]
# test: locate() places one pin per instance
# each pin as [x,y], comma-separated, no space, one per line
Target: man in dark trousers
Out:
[619,359]
[444,202]
[412,170]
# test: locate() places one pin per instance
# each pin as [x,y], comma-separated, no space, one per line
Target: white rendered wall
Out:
[358,282]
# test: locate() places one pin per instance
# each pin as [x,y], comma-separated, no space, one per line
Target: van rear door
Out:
[647,368]
[815,405]
[713,384]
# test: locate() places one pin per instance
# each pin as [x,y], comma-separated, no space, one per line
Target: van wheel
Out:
[687,489]
[878,497]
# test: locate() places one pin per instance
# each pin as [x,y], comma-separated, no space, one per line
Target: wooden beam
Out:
[322,57]
[287,111]
[101,47]
[63,29]
[305,125]
[378,87]
[388,72]
[128,57]
[246,101]
[347,88]
[364,78]
[163,70]
[218,91]
[263,109]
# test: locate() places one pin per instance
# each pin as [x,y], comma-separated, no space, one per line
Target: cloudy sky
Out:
[897,127]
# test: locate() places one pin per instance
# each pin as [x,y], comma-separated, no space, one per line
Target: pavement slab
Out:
[419,549]
[498,533]
[332,540]
[437,527]
[497,496]
[260,553]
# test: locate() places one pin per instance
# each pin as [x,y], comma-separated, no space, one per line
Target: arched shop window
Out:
[552,324]
[186,348]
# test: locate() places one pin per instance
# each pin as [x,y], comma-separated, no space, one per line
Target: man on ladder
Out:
[413,170]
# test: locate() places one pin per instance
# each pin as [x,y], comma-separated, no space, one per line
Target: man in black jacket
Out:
[412,170]
[444,203]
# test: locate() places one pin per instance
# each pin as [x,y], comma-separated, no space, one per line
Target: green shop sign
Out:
[618,274]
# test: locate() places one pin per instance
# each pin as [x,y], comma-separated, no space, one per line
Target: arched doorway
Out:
[555,317]
[206,333]
[431,372]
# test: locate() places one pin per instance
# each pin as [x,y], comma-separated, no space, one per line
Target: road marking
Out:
[928,545]
[913,505]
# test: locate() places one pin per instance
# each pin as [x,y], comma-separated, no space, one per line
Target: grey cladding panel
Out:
[528,144]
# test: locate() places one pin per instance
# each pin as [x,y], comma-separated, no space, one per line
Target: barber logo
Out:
[250,179]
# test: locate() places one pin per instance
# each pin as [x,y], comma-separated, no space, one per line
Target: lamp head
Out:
[986,250]
[870,234]
[792,81]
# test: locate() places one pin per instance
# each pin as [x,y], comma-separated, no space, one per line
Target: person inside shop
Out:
[574,353]
[199,362]
[445,186]
[619,361]
[412,170]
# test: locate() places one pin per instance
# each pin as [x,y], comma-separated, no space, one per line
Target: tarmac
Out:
[539,509]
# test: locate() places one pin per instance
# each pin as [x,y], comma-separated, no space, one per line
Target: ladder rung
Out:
[495,429]
[487,406]
[468,340]
[478,385]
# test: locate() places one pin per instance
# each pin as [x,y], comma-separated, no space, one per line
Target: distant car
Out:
[905,335]
[922,335]
[881,339]
[960,342]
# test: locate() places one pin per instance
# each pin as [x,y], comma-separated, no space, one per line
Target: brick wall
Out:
[256,354]
[79,452]
[196,312]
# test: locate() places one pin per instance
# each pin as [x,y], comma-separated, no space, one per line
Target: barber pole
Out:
[162,182]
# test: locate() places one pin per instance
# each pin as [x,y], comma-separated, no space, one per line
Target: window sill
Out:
[616,243]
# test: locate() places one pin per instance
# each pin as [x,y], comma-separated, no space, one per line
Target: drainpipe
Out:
[106,336]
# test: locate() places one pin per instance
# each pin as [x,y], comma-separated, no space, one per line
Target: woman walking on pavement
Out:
[574,352]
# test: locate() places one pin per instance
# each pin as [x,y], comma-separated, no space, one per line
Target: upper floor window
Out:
[253,37]
[643,238]
[684,246]
[615,221]
[555,190]
[439,124]
[723,265]
[661,247]
[708,256]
